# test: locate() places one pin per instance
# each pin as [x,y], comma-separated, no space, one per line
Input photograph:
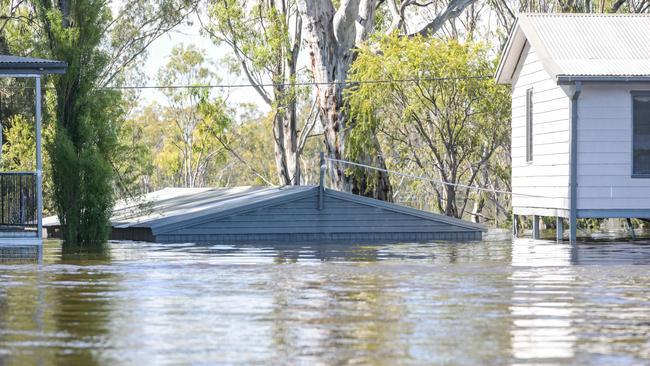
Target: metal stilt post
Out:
[630,228]
[559,228]
[535,227]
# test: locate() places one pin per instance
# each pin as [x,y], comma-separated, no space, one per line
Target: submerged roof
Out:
[15,65]
[589,47]
[171,208]
[174,205]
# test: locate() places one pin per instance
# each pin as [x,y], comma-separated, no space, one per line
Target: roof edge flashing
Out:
[524,32]
[505,57]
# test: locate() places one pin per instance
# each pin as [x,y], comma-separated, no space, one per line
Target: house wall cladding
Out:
[547,175]
[605,150]
[301,220]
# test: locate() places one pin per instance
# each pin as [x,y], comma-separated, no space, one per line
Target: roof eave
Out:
[523,32]
[506,58]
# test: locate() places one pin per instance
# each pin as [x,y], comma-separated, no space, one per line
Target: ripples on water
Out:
[482,303]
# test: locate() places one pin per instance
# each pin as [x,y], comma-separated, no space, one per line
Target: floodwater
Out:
[487,303]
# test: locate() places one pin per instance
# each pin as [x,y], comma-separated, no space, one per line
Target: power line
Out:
[269,85]
[306,83]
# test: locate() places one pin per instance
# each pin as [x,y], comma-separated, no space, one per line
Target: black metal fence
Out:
[18,205]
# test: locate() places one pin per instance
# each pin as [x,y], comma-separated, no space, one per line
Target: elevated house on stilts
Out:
[580,116]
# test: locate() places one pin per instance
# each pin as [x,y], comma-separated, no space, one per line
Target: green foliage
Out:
[447,124]
[85,133]
[251,155]
[258,30]
[132,160]
[196,119]
[19,150]
[176,144]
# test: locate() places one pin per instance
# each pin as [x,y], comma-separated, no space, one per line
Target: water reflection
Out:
[54,315]
[354,314]
[573,304]
[439,303]
[542,302]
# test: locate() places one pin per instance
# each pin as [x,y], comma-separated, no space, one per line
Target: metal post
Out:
[535,227]
[39,161]
[559,228]
[573,163]
[21,207]
[630,228]
[321,186]
[2,198]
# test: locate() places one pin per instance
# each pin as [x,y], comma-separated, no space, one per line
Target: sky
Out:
[160,50]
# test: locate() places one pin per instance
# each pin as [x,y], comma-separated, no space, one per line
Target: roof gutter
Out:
[570,80]
[32,68]
[573,158]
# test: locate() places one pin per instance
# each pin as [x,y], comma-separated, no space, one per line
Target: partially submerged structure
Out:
[21,194]
[580,116]
[296,214]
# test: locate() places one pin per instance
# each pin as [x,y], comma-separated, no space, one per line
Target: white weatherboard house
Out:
[580,116]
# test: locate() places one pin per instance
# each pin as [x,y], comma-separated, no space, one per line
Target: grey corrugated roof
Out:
[172,205]
[405,210]
[582,46]
[10,65]
[171,208]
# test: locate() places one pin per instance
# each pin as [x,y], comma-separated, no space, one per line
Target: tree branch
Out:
[453,9]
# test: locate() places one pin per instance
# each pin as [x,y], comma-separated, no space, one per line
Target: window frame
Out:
[633,94]
[529,125]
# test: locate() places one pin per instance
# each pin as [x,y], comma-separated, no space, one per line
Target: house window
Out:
[641,134]
[529,125]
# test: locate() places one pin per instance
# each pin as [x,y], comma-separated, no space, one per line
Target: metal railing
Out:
[18,200]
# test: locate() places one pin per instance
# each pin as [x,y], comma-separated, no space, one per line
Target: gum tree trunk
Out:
[331,38]
[285,137]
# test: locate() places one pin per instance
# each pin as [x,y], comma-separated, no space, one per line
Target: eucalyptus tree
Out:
[333,33]
[265,38]
[447,123]
[194,114]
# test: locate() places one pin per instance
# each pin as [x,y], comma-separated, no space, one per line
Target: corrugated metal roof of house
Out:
[171,208]
[171,205]
[16,64]
[583,45]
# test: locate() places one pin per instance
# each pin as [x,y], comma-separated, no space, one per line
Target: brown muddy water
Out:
[487,303]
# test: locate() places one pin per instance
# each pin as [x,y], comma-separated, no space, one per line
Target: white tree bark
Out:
[331,37]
